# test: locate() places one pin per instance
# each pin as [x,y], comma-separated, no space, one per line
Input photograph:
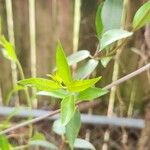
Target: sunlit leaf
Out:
[85,70]
[73,127]
[43,143]
[55,77]
[40,83]
[38,136]
[83,144]
[112,36]
[105,60]
[91,94]
[4,144]
[57,94]
[142,16]
[111,14]
[98,21]
[80,85]
[8,49]
[67,109]
[4,125]
[62,64]
[58,127]
[78,56]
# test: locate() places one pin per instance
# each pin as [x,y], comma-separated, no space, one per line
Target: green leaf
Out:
[43,143]
[40,83]
[4,144]
[105,60]
[55,77]
[67,109]
[38,136]
[83,144]
[56,94]
[85,70]
[58,127]
[80,85]
[142,16]
[111,14]
[62,65]
[98,21]
[8,50]
[112,36]
[91,94]
[73,127]
[78,56]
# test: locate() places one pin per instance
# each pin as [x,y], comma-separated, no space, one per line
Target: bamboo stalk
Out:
[32,36]
[76,25]
[55,35]
[1,101]
[10,24]
[32,45]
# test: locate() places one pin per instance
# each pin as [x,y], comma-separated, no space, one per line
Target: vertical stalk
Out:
[55,35]
[132,99]
[115,77]
[1,101]
[76,25]
[23,77]
[12,40]
[32,45]
[26,94]
[54,25]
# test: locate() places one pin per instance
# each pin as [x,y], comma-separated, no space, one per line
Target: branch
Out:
[115,83]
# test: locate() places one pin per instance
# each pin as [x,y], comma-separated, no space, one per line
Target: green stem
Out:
[132,99]
[22,78]
[26,94]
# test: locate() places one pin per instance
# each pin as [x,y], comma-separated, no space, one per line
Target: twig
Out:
[127,77]
[30,121]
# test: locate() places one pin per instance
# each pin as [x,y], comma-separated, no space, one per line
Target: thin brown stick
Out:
[30,121]
[129,76]
[115,83]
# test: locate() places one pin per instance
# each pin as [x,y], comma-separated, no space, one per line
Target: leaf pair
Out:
[71,129]
[108,21]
